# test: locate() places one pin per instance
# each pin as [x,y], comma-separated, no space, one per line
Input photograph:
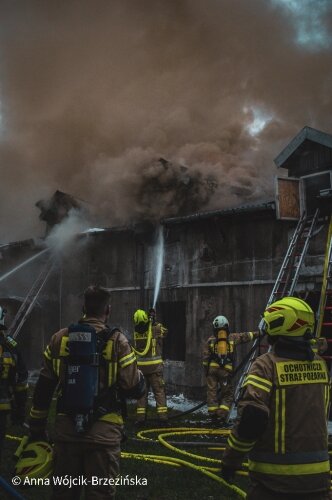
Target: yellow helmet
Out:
[140,316]
[290,316]
[35,459]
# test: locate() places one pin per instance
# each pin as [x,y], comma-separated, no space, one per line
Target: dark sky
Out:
[93,93]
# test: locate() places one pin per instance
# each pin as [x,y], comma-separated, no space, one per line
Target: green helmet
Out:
[140,316]
[289,317]
[35,459]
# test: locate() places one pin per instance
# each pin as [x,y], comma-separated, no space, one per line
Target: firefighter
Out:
[94,367]
[218,361]
[13,381]
[148,338]
[282,414]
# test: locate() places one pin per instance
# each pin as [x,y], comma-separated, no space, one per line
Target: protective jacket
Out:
[210,357]
[282,423]
[118,375]
[13,378]
[152,361]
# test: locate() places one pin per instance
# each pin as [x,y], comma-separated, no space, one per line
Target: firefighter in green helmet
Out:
[148,340]
[283,411]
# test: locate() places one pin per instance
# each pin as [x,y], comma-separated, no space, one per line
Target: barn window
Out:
[173,315]
[311,187]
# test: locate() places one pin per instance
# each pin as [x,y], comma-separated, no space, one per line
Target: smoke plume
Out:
[93,94]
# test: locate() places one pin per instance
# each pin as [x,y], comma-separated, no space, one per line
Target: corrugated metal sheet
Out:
[270,205]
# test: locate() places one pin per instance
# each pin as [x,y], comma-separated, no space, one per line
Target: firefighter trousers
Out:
[220,403]
[85,461]
[156,382]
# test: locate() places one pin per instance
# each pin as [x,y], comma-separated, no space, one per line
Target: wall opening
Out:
[173,315]
[311,187]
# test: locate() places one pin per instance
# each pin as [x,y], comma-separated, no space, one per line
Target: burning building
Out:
[215,262]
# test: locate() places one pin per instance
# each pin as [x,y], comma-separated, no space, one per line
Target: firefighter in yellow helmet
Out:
[282,415]
[218,361]
[148,339]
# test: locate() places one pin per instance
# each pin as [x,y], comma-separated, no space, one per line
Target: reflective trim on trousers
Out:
[114,418]
[224,407]
[149,361]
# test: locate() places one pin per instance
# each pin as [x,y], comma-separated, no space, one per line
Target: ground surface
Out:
[163,481]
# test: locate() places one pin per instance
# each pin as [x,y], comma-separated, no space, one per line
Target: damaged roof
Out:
[267,206]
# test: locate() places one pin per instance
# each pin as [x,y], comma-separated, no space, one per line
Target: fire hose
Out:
[148,342]
[204,469]
[236,371]
[162,436]
[208,471]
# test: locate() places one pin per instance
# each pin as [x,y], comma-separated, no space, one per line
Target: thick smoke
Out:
[94,93]
[157,187]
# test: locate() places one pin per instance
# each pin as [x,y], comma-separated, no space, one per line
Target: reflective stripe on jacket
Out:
[118,367]
[234,339]
[153,360]
[291,455]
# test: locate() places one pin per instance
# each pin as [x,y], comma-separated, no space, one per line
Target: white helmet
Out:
[220,322]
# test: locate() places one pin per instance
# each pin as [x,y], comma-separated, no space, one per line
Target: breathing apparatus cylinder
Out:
[221,344]
[81,375]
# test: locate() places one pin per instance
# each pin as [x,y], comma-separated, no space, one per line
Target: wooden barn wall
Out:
[222,265]
[310,158]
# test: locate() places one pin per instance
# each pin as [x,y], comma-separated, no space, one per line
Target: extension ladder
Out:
[287,278]
[290,269]
[324,316]
[30,299]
